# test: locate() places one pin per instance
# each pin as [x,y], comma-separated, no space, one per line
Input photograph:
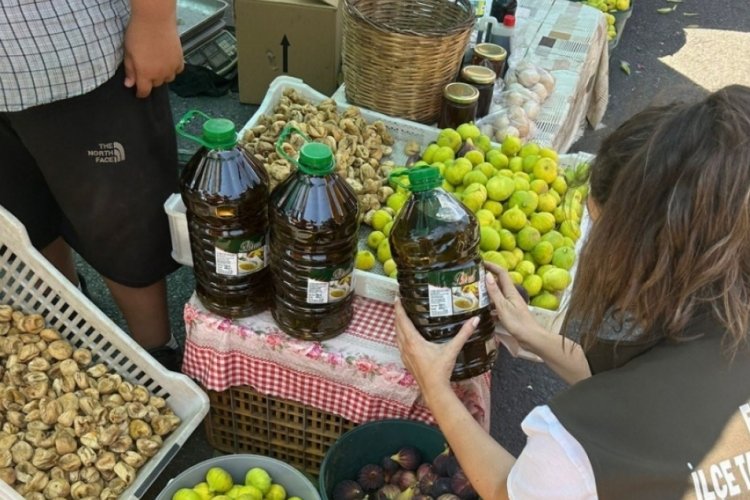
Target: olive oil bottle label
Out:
[457,291]
[329,285]
[240,256]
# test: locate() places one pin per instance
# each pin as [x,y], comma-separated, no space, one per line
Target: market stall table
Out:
[357,375]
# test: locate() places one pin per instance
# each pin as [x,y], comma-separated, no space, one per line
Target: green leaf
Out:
[625,67]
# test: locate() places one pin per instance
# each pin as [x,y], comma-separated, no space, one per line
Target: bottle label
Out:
[240,256]
[457,291]
[328,285]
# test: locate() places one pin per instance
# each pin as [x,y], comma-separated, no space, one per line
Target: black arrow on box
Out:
[285,58]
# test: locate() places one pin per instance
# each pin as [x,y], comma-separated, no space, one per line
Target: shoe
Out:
[170,358]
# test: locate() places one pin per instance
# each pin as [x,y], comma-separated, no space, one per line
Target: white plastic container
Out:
[28,282]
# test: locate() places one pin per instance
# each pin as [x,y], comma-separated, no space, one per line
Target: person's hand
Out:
[431,364]
[153,53]
[511,309]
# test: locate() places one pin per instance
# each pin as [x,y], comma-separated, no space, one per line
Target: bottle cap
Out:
[316,158]
[491,51]
[509,20]
[219,133]
[424,178]
[478,74]
[461,93]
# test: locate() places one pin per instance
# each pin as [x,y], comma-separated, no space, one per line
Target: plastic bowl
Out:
[369,443]
[293,481]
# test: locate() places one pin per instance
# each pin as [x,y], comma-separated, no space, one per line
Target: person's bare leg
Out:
[145,310]
[61,256]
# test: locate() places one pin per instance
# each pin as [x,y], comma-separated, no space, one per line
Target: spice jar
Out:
[492,56]
[459,105]
[483,79]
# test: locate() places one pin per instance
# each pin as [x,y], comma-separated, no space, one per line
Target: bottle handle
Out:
[185,120]
[395,177]
[286,133]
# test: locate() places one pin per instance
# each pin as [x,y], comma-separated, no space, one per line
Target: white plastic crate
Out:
[30,283]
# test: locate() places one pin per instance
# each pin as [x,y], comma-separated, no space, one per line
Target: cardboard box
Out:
[300,38]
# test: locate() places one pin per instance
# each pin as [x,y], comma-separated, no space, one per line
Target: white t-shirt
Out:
[552,464]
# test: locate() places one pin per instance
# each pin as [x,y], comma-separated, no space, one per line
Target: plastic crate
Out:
[241,420]
[30,283]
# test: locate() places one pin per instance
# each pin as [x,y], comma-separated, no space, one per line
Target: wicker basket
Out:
[399,54]
[241,420]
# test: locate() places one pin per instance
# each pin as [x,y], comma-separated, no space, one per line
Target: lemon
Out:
[513,219]
[448,186]
[516,277]
[511,145]
[496,158]
[511,258]
[389,266]
[529,148]
[486,168]
[567,242]
[451,139]
[507,240]
[542,270]
[560,185]
[379,219]
[219,480]
[249,492]
[396,200]
[505,172]
[394,274]
[476,189]
[384,251]
[526,201]
[387,229]
[515,164]
[532,284]
[364,260]
[560,216]
[527,238]
[542,252]
[496,258]
[556,279]
[495,207]
[474,176]
[485,217]
[473,203]
[547,202]
[525,268]
[622,4]
[548,153]
[277,492]
[555,238]
[518,253]
[455,173]
[563,257]
[475,157]
[429,152]
[468,131]
[489,239]
[542,221]
[500,187]
[546,300]
[545,169]
[186,494]
[523,175]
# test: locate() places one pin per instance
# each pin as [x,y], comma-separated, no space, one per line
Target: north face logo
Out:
[108,152]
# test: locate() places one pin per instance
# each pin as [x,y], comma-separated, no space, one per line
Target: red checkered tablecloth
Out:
[358,375]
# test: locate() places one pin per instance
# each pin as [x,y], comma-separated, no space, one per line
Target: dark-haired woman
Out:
[669,250]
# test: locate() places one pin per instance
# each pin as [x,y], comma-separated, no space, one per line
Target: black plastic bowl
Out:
[369,443]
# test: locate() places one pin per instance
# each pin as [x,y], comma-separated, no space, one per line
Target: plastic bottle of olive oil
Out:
[226,195]
[435,244]
[314,217]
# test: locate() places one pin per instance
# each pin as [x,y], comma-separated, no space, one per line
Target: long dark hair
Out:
[673,237]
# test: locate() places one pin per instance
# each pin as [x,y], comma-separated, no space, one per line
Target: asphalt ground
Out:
[696,48]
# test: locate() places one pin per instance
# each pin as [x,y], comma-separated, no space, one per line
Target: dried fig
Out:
[57,488]
[60,350]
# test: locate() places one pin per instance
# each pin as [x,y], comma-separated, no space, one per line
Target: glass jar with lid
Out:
[459,105]
[491,55]
[483,79]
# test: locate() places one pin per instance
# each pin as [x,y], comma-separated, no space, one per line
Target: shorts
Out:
[96,169]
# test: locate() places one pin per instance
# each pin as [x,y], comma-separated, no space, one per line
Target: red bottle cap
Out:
[509,20]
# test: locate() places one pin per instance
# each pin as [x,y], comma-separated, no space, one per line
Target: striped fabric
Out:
[52,50]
